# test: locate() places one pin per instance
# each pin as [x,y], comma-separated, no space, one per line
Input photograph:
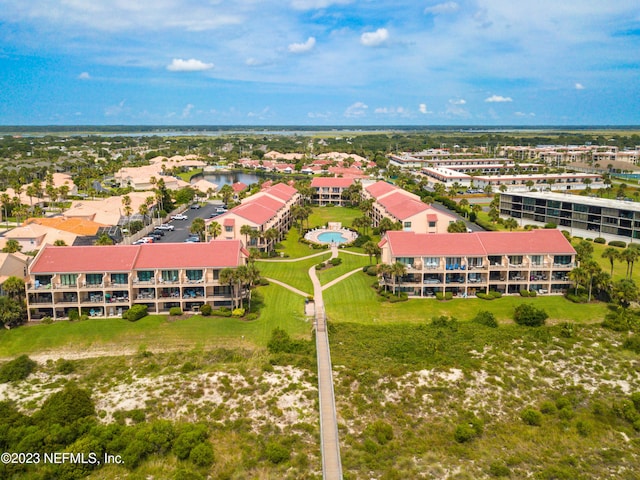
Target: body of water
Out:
[331,237]
[229,178]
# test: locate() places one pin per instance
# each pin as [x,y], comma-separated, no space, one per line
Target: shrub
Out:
[599,240]
[448,295]
[65,367]
[135,313]
[74,314]
[548,407]
[17,369]
[238,312]
[533,293]
[335,261]
[251,316]
[497,469]
[381,431]
[584,427]
[202,455]
[632,343]
[66,406]
[464,433]
[528,315]
[221,312]
[276,453]
[495,294]
[206,310]
[439,295]
[320,266]
[175,311]
[617,243]
[524,293]
[47,320]
[567,330]
[531,417]
[486,318]
[190,437]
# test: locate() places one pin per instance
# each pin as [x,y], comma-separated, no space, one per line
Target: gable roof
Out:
[339,182]
[380,188]
[402,206]
[545,241]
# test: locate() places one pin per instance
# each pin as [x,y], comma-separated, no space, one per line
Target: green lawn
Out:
[354,294]
[293,248]
[292,273]
[283,309]
[619,267]
[345,215]
[349,262]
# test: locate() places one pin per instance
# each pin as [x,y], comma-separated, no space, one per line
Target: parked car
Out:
[195,206]
[214,214]
[179,216]
[221,210]
[166,226]
[158,231]
[156,236]
[147,239]
[192,239]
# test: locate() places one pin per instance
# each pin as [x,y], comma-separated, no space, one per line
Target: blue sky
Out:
[320,62]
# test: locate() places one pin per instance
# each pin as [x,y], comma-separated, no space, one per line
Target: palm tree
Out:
[371,249]
[511,223]
[397,270]
[59,243]
[578,275]
[384,270]
[12,246]
[246,231]
[214,229]
[5,200]
[250,276]
[228,276]
[104,239]
[591,269]
[198,227]
[271,236]
[612,254]
[629,255]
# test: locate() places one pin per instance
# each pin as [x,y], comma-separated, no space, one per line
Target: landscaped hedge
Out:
[617,243]
[175,311]
[136,312]
[492,295]
[599,240]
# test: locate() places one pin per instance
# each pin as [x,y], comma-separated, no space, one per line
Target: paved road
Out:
[182,227]
[331,463]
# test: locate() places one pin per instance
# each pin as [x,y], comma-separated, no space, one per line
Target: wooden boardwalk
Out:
[331,463]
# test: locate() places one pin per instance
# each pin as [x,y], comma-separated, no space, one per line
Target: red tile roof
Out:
[545,241]
[254,212]
[432,217]
[331,182]
[239,187]
[229,222]
[119,258]
[402,206]
[380,188]
[112,258]
[280,190]
[266,201]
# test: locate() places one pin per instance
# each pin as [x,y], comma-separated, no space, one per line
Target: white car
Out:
[179,216]
[166,226]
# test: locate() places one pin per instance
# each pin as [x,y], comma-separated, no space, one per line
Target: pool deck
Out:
[313,235]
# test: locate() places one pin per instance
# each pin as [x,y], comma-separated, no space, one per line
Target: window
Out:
[228,229]
[120,278]
[170,275]
[94,278]
[69,279]
[406,225]
[432,224]
[145,275]
[406,260]
[536,260]
[194,275]
[515,259]
[562,259]
[431,262]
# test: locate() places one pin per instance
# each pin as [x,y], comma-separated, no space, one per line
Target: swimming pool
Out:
[331,237]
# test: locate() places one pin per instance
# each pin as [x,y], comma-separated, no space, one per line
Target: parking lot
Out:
[182,227]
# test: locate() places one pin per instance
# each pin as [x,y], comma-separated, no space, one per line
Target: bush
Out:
[65,367]
[632,343]
[320,266]
[471,428]
[17,369]
[74,314]
[206,310]
[47,320]
[276,453]
[529,315]
[439,295]
[548,407]
[238,312]
[135,313]
[584,427]
[497,469]
[524,293]
[533,293]
[175,311]
[495,294]
[531,417]
[202,455]
[221,312]
[599,240]
[66,406]
[617,243]
[486,318]
[335,261]
[448,295]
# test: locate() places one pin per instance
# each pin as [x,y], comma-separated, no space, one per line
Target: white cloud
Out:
[374,39]
[442,8]
[317,4]
[191,65]
[358,109]
[84,76]
[186,112]
[579,86]
[115,110]
[523,114]
[498,99]
[318,115]
[423,108]
[457,101]
[302,47]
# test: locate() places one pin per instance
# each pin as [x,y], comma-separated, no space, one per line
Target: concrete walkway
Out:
[340,278]
[285,260]
[331,463]
[287,286]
